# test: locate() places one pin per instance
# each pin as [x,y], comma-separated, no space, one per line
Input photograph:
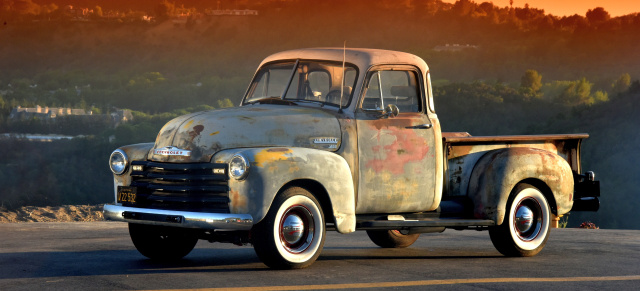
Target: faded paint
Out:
[497,173]
[397,164]
[348,149]
[463,152]
[265,181]
[135,152]
[401,148]
[380,164]
[240,127]
[167,133]
[270,155]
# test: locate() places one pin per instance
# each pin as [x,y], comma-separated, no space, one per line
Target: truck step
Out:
[430,222]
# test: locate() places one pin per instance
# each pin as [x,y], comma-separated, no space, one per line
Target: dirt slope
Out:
[67,213]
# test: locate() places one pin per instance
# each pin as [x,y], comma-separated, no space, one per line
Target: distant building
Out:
[232,12]
[121,116]
[50,115]
[454,47]
[77,13]
[39,112]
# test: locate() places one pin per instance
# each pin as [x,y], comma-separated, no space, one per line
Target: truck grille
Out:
[197,187]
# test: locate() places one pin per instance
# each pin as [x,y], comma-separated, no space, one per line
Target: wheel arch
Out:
[546,191]
[497,173]
[318,191]
[272,170]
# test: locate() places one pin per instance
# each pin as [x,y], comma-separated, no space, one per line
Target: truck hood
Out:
[205,133]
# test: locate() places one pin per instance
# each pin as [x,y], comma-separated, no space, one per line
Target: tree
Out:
[597,15]
[531,83]
[577,93]
[164,10]
[463,7]
[531,79]
[97,12]
[26,7]
[622,84]
[224,103]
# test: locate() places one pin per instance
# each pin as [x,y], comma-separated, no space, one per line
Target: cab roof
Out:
[362,58]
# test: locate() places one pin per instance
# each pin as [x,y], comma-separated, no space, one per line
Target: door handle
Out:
[421,126]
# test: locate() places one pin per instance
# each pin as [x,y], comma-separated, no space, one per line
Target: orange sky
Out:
[570,7]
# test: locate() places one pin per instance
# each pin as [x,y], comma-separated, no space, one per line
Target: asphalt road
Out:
[99,255]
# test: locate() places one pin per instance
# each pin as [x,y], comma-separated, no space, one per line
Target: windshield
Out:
[310,81]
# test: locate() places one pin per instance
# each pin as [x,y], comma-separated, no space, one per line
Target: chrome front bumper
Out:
[221,221]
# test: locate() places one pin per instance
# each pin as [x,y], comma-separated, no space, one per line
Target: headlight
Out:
[118,162]
[238,167]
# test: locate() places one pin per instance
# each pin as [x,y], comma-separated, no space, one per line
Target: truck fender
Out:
[271,169]
[134,152]
[497,172]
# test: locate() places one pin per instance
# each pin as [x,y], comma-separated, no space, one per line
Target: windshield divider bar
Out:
[293,74]
[344,58]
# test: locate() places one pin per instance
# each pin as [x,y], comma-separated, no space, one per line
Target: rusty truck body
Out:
[340,139]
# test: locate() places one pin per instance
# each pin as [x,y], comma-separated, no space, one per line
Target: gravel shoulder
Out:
[66,213]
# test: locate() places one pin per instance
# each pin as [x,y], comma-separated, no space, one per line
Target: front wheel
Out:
[392,238]
[525,229]
[292,234]
[162,243]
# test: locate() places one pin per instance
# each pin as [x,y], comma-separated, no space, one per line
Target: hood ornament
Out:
[172,151]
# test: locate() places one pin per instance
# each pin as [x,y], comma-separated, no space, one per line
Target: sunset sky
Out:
[570,7]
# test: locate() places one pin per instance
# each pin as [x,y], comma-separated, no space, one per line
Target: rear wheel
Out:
[162,243]
[292,234]
[525,229]
[392,238]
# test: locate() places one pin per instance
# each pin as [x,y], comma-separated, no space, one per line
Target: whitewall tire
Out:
[525,229]
[292,234]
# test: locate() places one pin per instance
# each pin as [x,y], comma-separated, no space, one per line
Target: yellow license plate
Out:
[127,194]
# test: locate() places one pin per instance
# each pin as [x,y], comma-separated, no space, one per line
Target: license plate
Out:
[127,194]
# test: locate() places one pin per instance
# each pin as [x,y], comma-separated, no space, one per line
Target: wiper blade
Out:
[273,100]
[322,103]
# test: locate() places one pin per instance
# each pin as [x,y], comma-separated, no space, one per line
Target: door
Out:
[397,154]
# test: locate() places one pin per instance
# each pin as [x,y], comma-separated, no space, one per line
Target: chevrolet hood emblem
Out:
[172,151]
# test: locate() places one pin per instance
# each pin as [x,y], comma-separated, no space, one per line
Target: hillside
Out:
[478,54]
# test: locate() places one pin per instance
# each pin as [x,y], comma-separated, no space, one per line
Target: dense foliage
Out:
[515,71]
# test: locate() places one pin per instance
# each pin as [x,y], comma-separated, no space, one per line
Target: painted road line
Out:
[420,283]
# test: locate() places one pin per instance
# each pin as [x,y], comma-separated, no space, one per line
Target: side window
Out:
[392,87]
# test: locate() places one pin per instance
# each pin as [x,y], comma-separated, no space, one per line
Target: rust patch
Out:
[196,131]
[382,124]
[214,133]
[238,202]
[407,147]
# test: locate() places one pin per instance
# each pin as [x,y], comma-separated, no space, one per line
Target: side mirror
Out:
[390,111]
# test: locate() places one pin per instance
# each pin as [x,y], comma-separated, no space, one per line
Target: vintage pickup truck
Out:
[346,140]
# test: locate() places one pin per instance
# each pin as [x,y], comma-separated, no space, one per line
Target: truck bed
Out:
[462,151]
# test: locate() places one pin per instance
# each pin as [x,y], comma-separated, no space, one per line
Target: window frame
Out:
[406,68]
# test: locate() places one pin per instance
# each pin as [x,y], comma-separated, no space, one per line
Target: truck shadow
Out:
[206,260]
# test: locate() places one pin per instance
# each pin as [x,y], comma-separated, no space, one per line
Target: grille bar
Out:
[195,187]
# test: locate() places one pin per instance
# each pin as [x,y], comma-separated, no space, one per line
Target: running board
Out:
[408,224]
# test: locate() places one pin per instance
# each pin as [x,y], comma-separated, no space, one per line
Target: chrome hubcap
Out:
[297,229]
[527,219]
[292,229]
[524,219]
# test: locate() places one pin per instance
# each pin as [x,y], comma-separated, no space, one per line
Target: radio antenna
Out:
[344,56]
